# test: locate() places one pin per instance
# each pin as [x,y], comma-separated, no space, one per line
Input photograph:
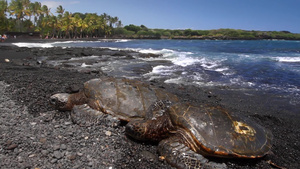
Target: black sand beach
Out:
[34,135]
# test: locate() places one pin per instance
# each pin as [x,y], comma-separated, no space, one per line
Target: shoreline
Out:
[31,86]
[9,41]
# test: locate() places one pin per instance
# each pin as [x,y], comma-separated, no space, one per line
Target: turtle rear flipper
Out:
[181,156]
[86,116]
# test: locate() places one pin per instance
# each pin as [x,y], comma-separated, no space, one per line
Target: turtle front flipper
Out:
[86,116]
[181,156]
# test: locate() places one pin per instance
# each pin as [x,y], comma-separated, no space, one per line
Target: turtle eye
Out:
[53,101]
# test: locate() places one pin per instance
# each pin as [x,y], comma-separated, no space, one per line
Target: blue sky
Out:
[265,15]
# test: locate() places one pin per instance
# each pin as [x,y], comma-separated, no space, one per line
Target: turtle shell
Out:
[219,133]
[124,98]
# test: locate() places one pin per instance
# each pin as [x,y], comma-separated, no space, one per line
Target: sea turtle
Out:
[187,133]
[123,98]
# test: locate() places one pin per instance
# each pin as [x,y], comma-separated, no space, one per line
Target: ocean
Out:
[267,65]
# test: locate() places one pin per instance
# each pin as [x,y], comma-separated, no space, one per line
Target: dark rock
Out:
[12,147]
[63,147]
[148,156]
[57,154]
[72,89]
[45,152]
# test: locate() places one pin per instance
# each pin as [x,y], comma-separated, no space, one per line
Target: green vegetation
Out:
[24,16]
[222,34]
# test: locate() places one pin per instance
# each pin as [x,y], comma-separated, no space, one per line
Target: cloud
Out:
[52,4]
[74,2]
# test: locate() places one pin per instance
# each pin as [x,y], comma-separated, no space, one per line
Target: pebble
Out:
[68,123]
[57,155]
[148,155]
[32,155]
[71,157]
[63,147]
[108,133]
[12,146]
[80,154]
[53,161]
[20,159]
[33,123]
[44,152]
[43,140]
[56,147]
[90,164]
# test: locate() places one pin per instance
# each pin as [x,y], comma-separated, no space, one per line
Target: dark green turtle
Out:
[188,133]
[122,98]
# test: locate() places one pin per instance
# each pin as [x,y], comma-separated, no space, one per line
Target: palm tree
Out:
[27,11]
[16,8]
[3,19]
[60,10]
[53,25]
[67,23]
[119,24]
[45,10]
[3,8]
[78,24]
[90,21]
[35,10]
[114,21]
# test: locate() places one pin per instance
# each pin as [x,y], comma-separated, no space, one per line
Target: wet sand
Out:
[33,134]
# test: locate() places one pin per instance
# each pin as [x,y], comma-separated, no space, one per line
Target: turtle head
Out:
[61,101]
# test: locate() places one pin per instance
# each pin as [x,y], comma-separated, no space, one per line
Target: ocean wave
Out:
[240,82]
[287,59]
[122,40]
[32,45]
[162,70]
[176,57]
[84,58]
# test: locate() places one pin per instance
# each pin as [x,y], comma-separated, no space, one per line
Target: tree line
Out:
[142,31]
[26,16]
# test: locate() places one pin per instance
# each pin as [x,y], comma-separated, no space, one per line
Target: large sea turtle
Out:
[122,98]
[188,133]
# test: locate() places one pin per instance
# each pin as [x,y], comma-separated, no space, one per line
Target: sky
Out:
[264,15]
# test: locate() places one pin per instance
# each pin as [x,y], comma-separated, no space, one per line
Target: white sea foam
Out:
[123,40]
[85,65]
[176,57]
[222,69]
[287,59]
[31,45]
[178,80]
[71,41]
[84,58]
[161,71]
[240,82]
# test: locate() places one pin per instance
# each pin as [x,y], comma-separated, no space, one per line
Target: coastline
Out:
[31,86]
[29,39]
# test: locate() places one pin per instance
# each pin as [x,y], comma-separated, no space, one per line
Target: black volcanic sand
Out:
[34,135]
